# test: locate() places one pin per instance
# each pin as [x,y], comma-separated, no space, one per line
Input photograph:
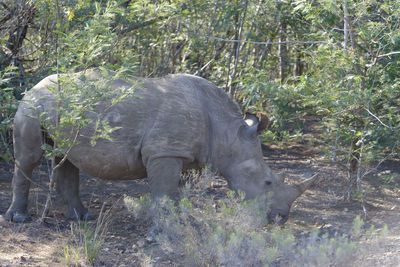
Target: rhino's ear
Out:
[259,120]
[256,123]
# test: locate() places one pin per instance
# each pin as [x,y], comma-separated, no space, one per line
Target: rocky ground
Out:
[34,244]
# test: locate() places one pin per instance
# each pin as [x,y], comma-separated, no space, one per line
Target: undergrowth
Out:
[206,228]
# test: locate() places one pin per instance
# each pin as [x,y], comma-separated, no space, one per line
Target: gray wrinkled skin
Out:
[171,124]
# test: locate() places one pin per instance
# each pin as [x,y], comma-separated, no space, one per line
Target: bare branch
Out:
[52,176]
[348,153]
[379,57]
[143,24]
[27,177]
[265,43]
[388,54]
[5,18]
[373,115]
[205,66]
[392,153]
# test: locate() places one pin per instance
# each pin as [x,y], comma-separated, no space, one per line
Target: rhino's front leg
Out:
[67,185]
[164,175]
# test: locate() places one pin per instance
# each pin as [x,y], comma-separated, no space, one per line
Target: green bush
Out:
[285,103]
[8,107]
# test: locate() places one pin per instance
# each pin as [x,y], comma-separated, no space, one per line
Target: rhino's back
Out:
[178,117]
[167,116]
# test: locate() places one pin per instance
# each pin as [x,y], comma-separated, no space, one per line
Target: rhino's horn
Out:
[303,186]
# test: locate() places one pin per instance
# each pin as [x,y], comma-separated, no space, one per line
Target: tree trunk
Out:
[265,52]
[250,47]
[283,52]
[22,15]
[299,66]
[237,52]
[234,46]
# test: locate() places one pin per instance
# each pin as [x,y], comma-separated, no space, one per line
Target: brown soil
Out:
[33,244]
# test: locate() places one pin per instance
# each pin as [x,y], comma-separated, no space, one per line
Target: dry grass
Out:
[86,240]
[205,229]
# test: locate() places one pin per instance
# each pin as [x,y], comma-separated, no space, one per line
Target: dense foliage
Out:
[336,62]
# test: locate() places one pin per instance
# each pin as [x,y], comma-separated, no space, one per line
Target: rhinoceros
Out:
[168,125]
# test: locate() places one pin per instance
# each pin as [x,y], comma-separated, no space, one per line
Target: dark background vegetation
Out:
[326,72]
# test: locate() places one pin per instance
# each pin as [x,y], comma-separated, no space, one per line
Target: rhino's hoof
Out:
[18,217]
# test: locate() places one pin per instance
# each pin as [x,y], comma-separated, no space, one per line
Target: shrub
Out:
[204,228]
[8,107]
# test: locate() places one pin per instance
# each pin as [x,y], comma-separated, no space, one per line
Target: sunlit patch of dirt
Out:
[30,244]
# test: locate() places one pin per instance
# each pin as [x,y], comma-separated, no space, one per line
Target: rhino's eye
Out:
[268,182]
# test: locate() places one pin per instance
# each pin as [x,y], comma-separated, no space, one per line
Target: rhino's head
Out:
[248,172]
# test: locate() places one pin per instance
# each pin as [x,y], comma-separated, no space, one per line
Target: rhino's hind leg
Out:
[164,175]
[27,152]
[67,185]
[18,210]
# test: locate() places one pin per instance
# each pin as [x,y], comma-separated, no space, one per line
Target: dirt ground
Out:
[32,244]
